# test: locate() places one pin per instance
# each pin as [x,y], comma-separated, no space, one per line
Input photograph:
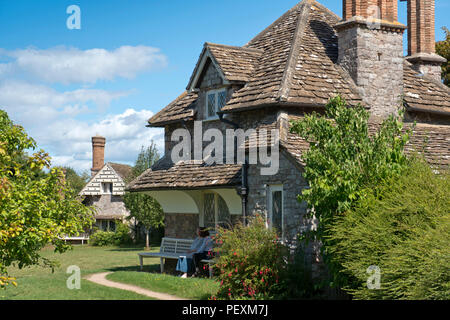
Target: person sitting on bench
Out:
[185,264]
[203,252]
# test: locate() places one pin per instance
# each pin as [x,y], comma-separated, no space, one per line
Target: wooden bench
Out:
[171,248]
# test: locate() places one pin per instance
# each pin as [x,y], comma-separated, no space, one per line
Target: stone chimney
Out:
[98,154]
[421,39]
[370,41]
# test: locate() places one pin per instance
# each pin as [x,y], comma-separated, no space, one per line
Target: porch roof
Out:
[186,176]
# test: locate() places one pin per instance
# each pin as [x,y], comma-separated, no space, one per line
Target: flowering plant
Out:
[250,260]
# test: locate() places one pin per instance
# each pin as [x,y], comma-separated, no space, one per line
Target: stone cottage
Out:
[288,70]
[106,188]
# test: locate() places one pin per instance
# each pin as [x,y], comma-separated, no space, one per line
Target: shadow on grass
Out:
[153,268]
[132,249]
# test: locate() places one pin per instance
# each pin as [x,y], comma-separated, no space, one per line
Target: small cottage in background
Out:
[106,188]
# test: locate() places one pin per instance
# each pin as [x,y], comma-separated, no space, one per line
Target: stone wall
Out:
[293,182]
[373,56]
[211,78]
[108,206]
[182,226]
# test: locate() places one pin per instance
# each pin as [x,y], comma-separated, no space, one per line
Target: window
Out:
[107,188]
[107,225]
[215,211]
[276,209]
[215,101]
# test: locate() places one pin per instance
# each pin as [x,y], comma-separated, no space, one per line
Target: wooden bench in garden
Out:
[171,248]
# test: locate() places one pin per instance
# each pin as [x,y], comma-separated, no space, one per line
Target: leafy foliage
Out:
[405,231]
[345,162]
[443,49]
[75,181]
[142,207]
[250,260]
[36,208]
[108,238]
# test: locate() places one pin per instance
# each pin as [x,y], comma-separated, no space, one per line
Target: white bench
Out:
[171,248]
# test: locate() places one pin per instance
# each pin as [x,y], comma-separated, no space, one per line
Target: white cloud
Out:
[72,65]
[62,121]
[125,134]
[29,103]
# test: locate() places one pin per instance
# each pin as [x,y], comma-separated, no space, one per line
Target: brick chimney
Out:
[98,154]
[370,41]
[421,38]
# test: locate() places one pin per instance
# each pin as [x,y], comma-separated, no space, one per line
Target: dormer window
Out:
[215,101]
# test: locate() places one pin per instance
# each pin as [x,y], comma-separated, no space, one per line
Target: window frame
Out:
[269,224]
[216,93]
[108,186]
[216,210]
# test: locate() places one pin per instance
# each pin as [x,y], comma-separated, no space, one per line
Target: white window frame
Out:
[109,190]
[271,190]
[216,105]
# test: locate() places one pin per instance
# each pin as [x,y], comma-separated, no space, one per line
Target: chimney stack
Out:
[370,42]
[421,38]
[98,154]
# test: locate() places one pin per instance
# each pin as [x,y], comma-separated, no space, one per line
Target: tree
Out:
[345,162]
[36,208]
[75,181]
[142,207]
[443,49]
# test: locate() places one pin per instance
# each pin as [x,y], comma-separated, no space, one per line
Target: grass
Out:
[39,283]
[190,288]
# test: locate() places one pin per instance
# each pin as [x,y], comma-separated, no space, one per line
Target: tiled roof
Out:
[236,63]
[299,62]
[294,62]
[123,170]
[181,108]
[422,94]
[433,141]
[186,175]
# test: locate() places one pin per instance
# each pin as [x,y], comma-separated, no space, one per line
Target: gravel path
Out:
[100,278]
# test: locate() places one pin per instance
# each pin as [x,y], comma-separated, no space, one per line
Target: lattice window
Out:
[222,99]
[215,101]
[223,218]
[211,105]
[215,211]
[277,210]
[209,211]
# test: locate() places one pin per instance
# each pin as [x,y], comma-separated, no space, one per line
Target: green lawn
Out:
[191,288]
[40,283]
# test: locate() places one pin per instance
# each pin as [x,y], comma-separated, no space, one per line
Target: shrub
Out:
[102,238]
[345,162]
[250,261]
[405,231]
[107,238]
[122,235]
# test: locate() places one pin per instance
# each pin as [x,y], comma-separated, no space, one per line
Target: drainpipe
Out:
[244,181]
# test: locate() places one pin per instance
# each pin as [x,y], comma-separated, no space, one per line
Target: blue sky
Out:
[140,56]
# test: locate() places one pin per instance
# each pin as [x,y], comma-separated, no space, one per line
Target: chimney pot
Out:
[421,38]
